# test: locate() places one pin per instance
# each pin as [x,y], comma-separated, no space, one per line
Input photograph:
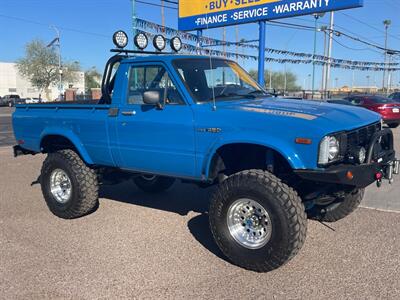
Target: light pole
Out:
[57,42]
[386,23]
[323,88]
[337,83]
[162,15]
[285,68]
[330,43]
[316,17]
[309,81]
[390,72]
[270,79]
[368,87]
[134,30]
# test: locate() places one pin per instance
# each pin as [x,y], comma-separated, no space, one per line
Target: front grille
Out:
[352,141]
[361,137]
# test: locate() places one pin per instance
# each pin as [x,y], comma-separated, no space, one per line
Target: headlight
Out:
[328,150]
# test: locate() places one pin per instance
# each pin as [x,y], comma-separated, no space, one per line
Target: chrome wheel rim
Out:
[149,177]
[249,223]
[60,186]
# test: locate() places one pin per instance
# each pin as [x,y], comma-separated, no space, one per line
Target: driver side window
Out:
[152,78]
[356,100]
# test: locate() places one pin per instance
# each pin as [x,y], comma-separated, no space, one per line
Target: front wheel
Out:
[393,125]
[338,209]
[257,221]
[153,184]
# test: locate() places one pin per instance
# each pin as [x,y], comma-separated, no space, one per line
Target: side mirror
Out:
[152,97]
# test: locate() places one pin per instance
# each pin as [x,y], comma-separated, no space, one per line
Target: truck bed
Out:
[81,102]
[84,123]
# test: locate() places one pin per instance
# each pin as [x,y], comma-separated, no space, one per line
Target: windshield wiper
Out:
[225,96]
[251,95]
[260,93]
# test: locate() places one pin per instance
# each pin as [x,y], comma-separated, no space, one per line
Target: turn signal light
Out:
[349,175]
[303,141]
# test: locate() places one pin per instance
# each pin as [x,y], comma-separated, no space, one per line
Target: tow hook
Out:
[396,168]
[388,172]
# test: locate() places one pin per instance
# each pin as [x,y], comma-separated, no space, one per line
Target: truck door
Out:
[152,139]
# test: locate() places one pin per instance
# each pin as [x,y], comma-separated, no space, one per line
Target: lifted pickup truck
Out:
[205,120]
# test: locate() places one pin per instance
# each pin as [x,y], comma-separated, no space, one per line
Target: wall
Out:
[11,82]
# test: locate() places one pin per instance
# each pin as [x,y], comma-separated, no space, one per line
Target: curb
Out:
[381,209]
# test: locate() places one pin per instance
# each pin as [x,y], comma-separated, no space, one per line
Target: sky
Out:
[87,26]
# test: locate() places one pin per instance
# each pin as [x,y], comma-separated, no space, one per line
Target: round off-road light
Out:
[141,41]
[120,39]
[362,155]
[159,42]
[176,44]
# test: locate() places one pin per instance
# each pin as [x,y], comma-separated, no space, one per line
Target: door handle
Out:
[129,113]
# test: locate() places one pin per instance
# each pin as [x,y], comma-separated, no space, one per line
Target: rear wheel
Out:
[153,184]
[257,221]
[69,186]
[393,125]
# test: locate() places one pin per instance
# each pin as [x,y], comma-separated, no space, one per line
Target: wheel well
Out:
[232,158]
[52,143]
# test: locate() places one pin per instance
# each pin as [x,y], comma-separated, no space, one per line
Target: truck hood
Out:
[327,116]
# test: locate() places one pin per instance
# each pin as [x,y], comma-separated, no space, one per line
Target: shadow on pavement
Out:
[180,199]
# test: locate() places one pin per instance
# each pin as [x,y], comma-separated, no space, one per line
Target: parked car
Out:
[12,100]
[32,100]
[339,101]
[386,107]
[395,96]
[3,101]
[163,118]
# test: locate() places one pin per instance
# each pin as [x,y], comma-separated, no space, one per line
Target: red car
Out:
[388,108]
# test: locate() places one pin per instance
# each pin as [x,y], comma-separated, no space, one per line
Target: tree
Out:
[92,79]
[40,66]
[278,80]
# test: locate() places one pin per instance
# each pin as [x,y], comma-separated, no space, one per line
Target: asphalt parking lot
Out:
[141,246]
[6,134]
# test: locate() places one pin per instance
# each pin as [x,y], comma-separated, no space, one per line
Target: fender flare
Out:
[72,137]
[290,154]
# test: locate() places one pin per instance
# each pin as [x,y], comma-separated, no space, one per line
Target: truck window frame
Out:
[182,79]
[154,65]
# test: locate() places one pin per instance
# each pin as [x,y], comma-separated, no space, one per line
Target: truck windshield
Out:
[219,78]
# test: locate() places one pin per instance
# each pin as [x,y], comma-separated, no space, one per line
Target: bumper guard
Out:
[378,166]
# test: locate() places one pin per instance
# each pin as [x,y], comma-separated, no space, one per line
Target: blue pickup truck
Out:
[274,162]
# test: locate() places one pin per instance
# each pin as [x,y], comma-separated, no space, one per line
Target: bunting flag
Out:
[306,58]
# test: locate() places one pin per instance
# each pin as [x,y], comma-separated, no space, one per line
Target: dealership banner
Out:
[318,60]
[203,14]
